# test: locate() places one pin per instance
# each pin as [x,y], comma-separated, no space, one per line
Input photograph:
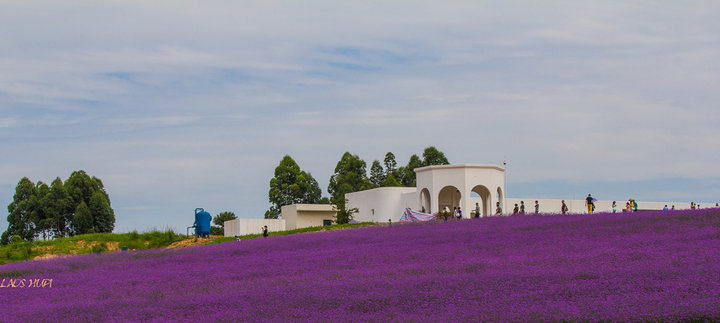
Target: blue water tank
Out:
[202,223]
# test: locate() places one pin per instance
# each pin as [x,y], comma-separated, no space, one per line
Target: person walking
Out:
[522,207]
[477,210]
[564,207]
[590,204]
[459,213]
[516,210]
[614,206]
[537,207]
[498,209]
[265,231]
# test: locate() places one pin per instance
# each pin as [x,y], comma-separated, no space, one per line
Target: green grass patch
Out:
[296,231]
[101,242]
[87,243]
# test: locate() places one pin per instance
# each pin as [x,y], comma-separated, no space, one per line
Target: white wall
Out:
[381,204]
[299,216]
[241,227]
[578,206]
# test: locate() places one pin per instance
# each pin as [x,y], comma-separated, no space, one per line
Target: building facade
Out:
[466,186]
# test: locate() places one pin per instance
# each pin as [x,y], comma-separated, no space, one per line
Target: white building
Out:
[295,216]
[465,186]
[438,187]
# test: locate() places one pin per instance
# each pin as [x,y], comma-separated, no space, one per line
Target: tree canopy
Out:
[291,185]
[220,219]
[390,163]
[432,156]
[52,211]
[350,176]
[377,174]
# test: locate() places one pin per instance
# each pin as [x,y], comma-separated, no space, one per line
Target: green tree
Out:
[49,211]
[40,217]
[220,219]
[83,220]
[390,163]
[20,212]
[80,187]
[377,174]
[350,176]
[390,181]
[432,156]
[406,174]
[58,204]
[344,215]
[291,185]
[102,214]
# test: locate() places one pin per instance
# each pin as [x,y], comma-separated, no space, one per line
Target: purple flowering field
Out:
[622,267]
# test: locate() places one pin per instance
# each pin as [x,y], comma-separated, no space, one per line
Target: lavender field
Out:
[644,266]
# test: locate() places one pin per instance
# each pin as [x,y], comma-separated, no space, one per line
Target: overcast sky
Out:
[184,104]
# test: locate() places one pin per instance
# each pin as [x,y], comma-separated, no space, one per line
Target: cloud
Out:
[7,122]
[197,111]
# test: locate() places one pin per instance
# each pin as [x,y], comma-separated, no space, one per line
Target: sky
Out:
[182,104]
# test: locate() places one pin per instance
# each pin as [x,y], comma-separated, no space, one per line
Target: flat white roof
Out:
[481,166]
[314,207]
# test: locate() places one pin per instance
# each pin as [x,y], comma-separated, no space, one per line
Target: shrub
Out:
[217,231]
[99,248]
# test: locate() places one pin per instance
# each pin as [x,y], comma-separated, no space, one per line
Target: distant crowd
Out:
[630,206]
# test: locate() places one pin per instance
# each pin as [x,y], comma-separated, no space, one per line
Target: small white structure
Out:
[295,216]
[241,227]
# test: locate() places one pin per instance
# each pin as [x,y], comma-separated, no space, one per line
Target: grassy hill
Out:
[86,243]
[649,266]
[109,242]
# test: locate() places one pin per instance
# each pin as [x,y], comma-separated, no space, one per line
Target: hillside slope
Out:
[644,266]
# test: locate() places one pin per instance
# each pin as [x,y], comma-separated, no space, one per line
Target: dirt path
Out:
[190,242]
[110,245]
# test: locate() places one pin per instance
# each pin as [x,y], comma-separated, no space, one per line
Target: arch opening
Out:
[500,198]
[484,195]
[449,197]
[424,202]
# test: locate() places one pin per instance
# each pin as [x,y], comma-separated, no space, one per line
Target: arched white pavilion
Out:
[437,187]
[453,185]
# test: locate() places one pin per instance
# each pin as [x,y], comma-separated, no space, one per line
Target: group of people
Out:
[630,206]
[521,209]
[457,212]
[696,206]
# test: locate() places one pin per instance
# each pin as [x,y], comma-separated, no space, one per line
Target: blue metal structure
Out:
[202,223]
